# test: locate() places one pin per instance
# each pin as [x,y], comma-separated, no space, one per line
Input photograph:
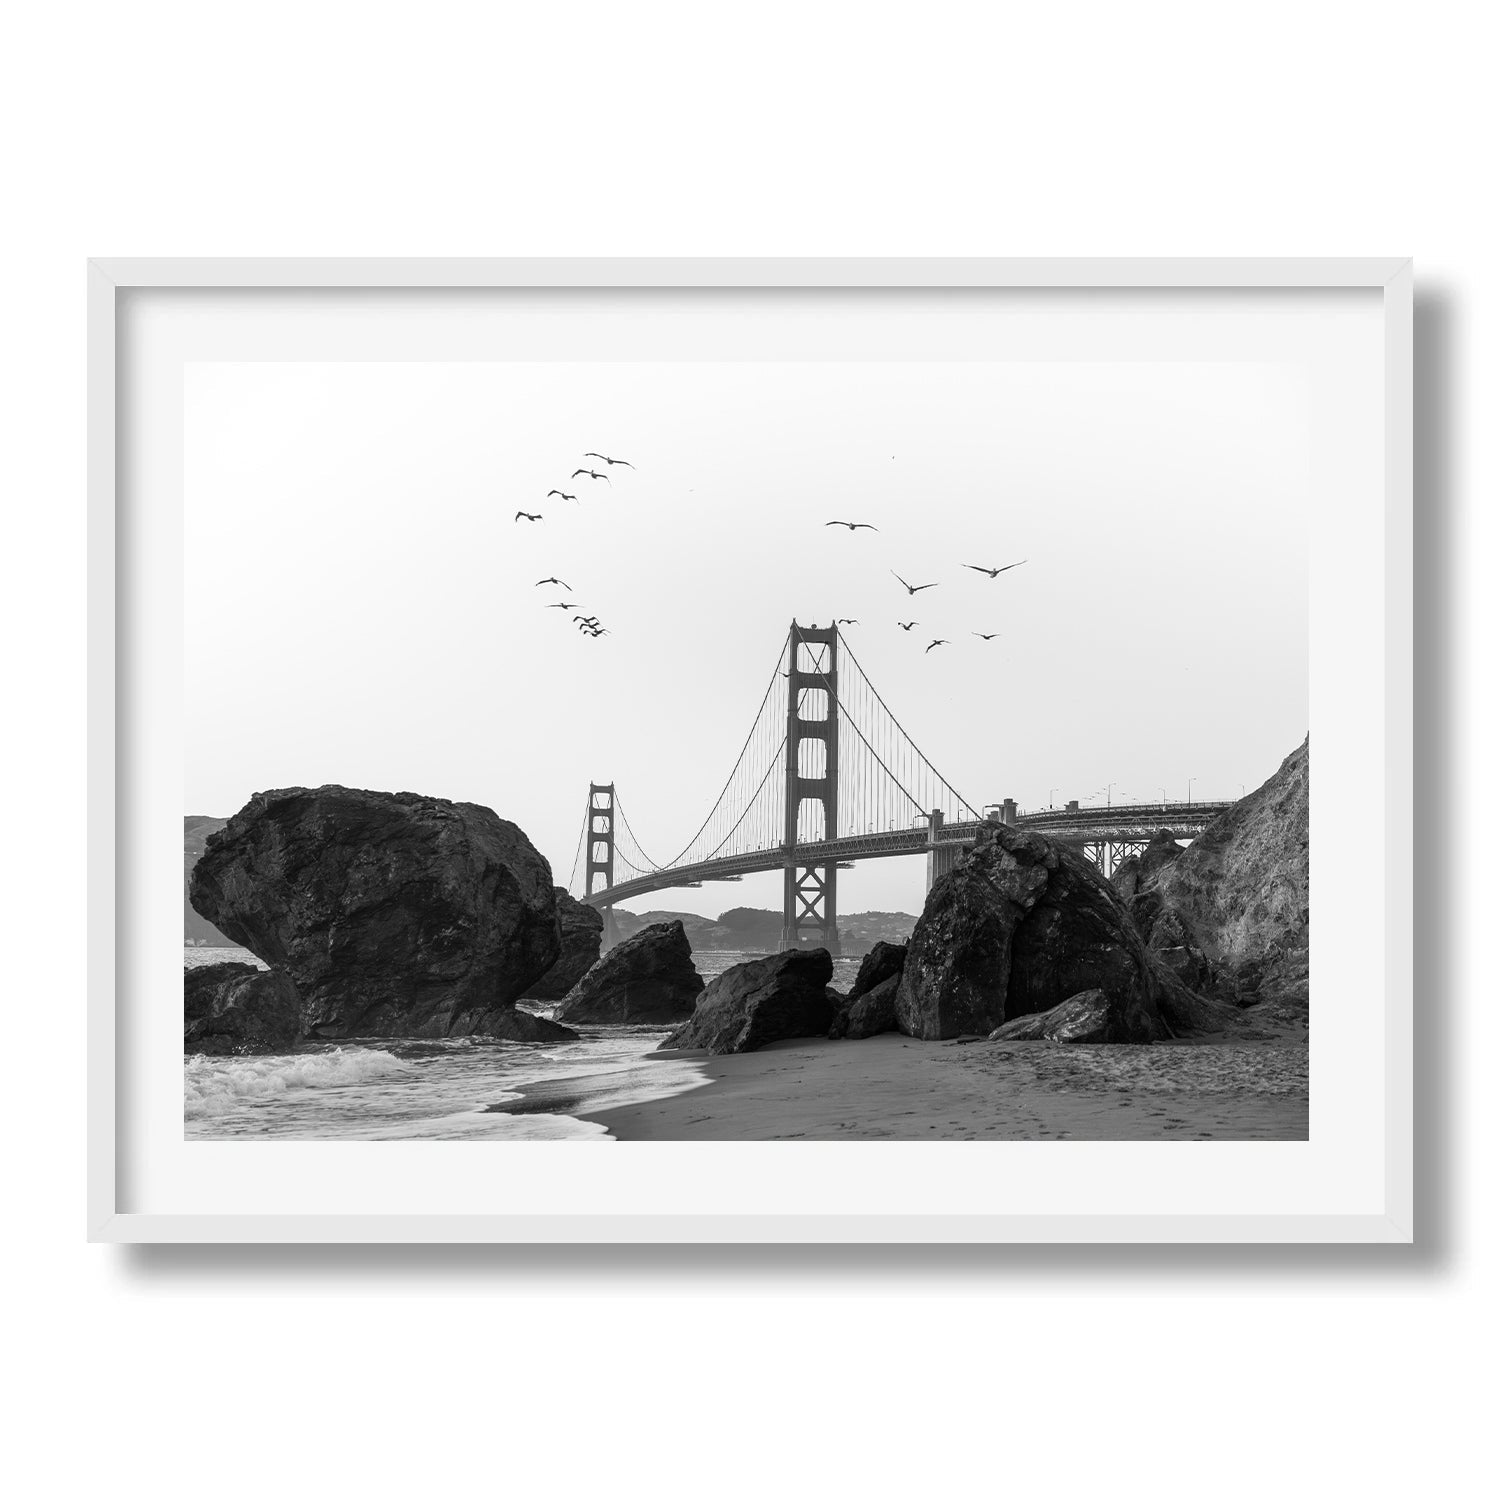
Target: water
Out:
[464,1088]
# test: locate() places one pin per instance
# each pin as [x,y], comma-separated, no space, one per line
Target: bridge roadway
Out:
[1097,825]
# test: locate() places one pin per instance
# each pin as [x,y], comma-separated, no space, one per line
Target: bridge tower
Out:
[601,853]
[809,910]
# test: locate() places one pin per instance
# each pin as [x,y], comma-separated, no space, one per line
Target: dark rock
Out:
[1237,896]
[1127,876]
[646,980]
[1080,1018]
[508,1023]
[582,930]
[868,1014]
[237,1008]
[393,914]
[766,1000]
[882,961]
[1018,926]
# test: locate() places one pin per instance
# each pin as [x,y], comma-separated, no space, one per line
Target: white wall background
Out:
[783,128]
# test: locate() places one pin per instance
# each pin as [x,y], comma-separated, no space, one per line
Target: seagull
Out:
[982,636]
[611,461]
[846,622]
[558,581]
[590,473]
[994,572]
[528,516]
[853,525]
[937,643]
[911,588]
[563,493]
[907,624]
[560,606]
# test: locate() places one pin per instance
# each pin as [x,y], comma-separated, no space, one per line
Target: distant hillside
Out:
[196,931]
[755,930]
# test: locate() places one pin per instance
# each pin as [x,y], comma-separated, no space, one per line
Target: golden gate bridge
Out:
[828,776]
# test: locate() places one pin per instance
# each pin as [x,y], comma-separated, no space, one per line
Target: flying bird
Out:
[590,473]
[563,493]
[937,643]
[853,525]
[994,572]
[846,622]
[557,581]
[528,515]
[611,461]
[907,624]
[560,606]
[982,636]
[911,588]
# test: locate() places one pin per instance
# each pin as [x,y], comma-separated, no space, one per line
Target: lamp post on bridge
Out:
[1191,780]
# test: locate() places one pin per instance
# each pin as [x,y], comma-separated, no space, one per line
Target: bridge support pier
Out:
[940,857]
[810,908]
[809,911]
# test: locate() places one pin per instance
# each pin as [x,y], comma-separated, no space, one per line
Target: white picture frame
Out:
[1384,1210]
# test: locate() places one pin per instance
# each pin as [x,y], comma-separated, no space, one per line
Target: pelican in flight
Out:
[590,473]
[527,515]
[563,493]
[846,622]
[982,636]
[557,581]
[937,643]
[907,624]
[912,588]
[562,606]
[605,458]
[853,525]
[994,572]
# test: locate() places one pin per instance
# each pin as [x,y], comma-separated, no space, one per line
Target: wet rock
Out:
[392,913]
[868,1014]
[1080,1018]
[646,980]
[582,931]
[767,1000]
[1238,894]
[237,1008]
[1018,926]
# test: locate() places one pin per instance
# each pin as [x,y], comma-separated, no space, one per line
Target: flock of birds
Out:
[917,588]
[589,625]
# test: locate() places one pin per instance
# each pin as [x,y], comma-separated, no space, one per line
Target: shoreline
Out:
[1238,1087]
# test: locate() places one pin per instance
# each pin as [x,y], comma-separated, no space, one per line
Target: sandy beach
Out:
[1248,1085]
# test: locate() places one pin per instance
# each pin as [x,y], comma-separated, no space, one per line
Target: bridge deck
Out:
[1119,825]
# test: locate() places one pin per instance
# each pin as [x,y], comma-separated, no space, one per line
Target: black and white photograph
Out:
[748,750]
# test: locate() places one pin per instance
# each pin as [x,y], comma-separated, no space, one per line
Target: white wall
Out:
[780,128]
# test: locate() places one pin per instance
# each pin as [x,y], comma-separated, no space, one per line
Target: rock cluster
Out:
[766,1000]
[647,980]
[1018,926]
[870,1006]
[391,914]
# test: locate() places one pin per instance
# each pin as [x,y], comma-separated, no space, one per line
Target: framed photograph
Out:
[766,750]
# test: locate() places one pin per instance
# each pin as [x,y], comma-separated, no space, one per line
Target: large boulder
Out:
[646,980]
[766,1000]
[582,931]
[237,1008]
[1019,925]
[1237,897]
[393,914]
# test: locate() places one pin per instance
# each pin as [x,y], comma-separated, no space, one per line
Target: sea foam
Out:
[216,1085]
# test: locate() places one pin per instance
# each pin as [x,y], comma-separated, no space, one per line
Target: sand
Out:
[1248,1085]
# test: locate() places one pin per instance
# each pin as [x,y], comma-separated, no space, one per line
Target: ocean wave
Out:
[216,1086]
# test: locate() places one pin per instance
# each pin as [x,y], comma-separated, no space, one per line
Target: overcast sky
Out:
[361,604]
